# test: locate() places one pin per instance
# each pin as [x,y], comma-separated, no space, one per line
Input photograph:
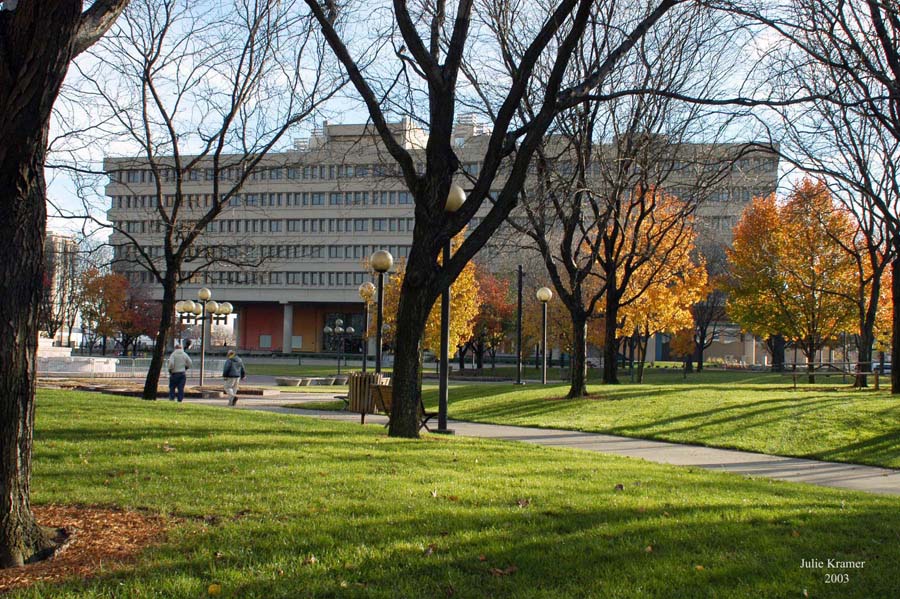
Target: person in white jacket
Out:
[178,364]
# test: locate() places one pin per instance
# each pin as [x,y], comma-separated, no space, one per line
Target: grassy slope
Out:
[758,412]
[398,518]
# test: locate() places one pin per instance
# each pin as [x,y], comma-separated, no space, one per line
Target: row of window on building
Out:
[280,252]
[257,278]
[331,172]
[269,200]
[291,225]
[307,172]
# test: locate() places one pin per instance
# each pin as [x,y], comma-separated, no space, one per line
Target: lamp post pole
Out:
[366,292]
[365,339]
[444,375]
[203,310]
[544,295]
[202,340]
[519,330]
[455,199]
[381,261]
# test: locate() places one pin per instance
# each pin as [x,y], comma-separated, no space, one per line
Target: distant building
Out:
[60,258]
[312,216]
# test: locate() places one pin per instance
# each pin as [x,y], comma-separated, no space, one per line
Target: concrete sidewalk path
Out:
[826,474]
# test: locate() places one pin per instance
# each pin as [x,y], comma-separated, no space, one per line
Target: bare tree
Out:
[709,313]
[59,281]
[617,150]
[39,41]
[429,41]
[203,92]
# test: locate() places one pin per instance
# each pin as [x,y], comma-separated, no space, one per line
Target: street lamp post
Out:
[366,292]
[340,333]
[381,261]
[455,199]
[544,295]
[519,330]
[202,311]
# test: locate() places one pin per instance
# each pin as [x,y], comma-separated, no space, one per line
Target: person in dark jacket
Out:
[234,373]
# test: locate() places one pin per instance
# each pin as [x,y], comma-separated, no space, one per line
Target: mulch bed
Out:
[99,539]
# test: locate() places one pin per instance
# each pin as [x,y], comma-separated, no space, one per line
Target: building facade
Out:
[293,243]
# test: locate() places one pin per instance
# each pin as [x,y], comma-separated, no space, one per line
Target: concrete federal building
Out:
[294,241]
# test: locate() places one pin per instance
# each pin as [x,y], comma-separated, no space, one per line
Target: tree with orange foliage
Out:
[645,250]
[683,345]
[789,275]
[660,293]
[464,306]
[866,242]
[495,318]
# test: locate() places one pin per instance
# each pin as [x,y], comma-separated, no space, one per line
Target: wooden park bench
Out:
[359,397]
[383,395]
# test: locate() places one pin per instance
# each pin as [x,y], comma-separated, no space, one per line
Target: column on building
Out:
[749,349]
[236,327]
[287,330]
[652,344]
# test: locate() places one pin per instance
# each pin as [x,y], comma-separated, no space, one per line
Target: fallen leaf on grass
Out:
[482,558]
[430,549]
[795,533]
[511,569]
[698,568]
[167,448]
[649,549]
[523,502]
[214,590]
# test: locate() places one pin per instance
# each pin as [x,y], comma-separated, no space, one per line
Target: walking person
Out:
[234,373]
[178,364]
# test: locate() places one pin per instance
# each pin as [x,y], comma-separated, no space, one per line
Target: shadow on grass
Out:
[395,518]
[558,550]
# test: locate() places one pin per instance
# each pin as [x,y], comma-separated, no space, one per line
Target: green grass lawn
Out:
[757,412]
[274,505]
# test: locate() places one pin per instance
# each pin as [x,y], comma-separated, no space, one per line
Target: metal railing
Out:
[113,367]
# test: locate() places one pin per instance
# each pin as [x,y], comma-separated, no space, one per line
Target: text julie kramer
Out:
[830,563]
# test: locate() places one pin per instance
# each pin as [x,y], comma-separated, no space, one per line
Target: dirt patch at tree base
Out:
[96,540]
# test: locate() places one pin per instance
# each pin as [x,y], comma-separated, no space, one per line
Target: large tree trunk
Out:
[166,319]
[867,335]
[37,45]
[776,346]
[895,333]
[22,223]
[412,312]
[610,347]
[642,341]
[864,359]
[578,367]
[810,353]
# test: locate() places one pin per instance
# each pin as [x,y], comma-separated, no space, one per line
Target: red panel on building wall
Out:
[260,321]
